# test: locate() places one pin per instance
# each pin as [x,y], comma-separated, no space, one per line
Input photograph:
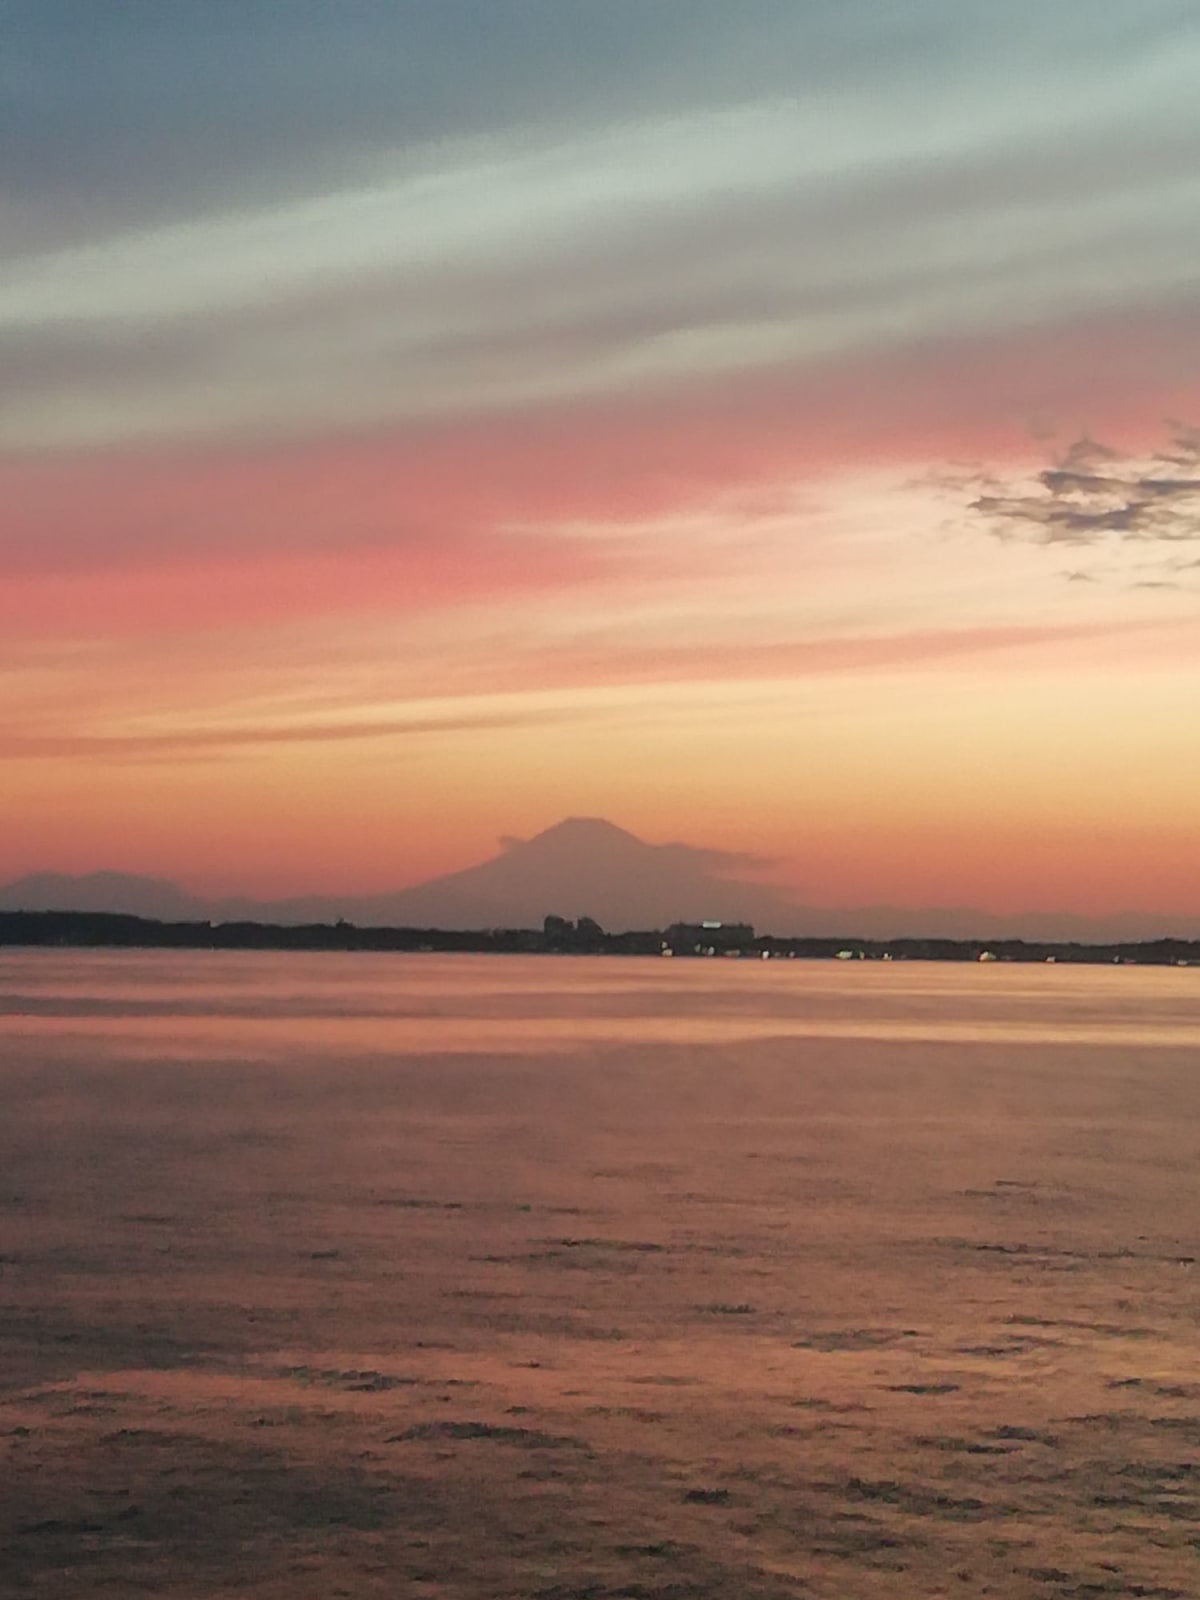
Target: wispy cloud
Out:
[203,743]
[551,259]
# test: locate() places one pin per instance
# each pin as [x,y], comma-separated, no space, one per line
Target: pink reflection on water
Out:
[281,1006]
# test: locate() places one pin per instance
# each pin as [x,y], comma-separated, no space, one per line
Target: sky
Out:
[771,427]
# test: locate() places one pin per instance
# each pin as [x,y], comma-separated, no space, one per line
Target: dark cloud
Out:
[1101,500]
[1095,491]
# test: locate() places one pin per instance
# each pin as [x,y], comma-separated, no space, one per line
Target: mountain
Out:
[101,891]
[581,867]
[584,866]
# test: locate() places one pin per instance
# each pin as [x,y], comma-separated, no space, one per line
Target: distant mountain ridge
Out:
[101,891]
[582,866]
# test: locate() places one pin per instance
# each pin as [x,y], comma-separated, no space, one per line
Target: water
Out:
[488,1276]
[266,1004]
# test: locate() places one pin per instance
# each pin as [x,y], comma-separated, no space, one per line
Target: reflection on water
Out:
[503,1278]
[181,1003]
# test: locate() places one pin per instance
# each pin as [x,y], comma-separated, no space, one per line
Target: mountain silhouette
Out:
[102,891]
[583,866]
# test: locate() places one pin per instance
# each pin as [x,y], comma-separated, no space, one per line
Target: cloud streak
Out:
[206,743]
[572,685]
[546,261]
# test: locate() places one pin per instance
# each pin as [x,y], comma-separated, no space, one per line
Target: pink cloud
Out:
[434,516]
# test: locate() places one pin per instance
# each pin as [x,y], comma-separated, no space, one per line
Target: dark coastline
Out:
[105,930]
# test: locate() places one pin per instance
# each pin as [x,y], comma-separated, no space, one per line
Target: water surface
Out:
[499,1276]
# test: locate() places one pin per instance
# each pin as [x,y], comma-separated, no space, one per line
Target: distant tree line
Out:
[559,936]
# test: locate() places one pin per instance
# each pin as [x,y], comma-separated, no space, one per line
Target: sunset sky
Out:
[770,426]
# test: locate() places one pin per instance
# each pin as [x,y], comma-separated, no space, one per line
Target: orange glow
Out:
[740,618]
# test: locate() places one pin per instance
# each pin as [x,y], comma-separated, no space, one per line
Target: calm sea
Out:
[176,1005]
[485,1278]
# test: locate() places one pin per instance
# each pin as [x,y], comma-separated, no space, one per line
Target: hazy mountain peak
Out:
[131,893]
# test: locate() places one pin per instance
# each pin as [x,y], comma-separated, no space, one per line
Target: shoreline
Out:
[114,930]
